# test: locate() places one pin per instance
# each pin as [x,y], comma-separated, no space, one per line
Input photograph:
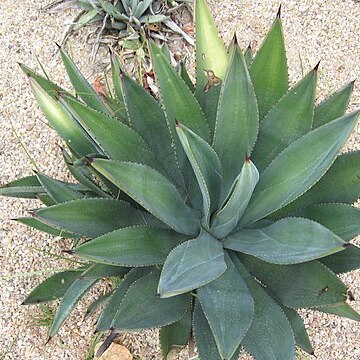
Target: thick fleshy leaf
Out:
[152,191]
[96,304]
[344,261]
[268,71]
[98,271]
[26,187]
[72,296]
[270,336]
[298,167]
[334,106]
[54,287]
[206,166]
[141,309]
[62,122]
[176,335]
[226,219]
[57,190]
[301,286]
[108,314]
[211,62]
[237,120]
[204,337]
[192,264]
[340,184]
[248,56]
[185,76]
[148,119]
[342,219]
[343,310]
[287,241]
[91,217]
[131,246]
[229,309]
[82,87]
[114,138]
[288,120]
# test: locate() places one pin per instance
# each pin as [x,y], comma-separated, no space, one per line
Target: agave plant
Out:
[223,209]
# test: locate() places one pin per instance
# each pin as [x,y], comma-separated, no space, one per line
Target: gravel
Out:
[314,30]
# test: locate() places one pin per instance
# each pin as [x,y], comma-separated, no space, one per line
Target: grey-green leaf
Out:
[152,191]
[191,265]
[237,120]
[343,310]
[344,261]
[287,241]
[229,309]
[298,167]
[131,246]
[26,187]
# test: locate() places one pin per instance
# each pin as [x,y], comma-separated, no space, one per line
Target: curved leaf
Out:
[26,187]
[152,191]
[191,265]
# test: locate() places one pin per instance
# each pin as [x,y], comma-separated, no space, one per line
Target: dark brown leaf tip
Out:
[88,160]
[235,40]
[158,295]
[69,252]
[346,245]
[278,15]
[177,124]
[59,46]
[31,212]
[247,158]
[48,340]
[316,68]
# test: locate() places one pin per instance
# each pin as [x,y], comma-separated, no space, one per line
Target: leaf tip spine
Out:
[69,252]
[177,124]
[88,160]
[247,158]
[345,245]
[235,39]
[278,14]
[316,68]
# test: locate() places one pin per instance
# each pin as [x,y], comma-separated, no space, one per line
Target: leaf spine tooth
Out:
[316,68]
[247,158]
[278,15]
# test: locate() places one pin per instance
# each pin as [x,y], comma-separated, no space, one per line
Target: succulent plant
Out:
[223,209]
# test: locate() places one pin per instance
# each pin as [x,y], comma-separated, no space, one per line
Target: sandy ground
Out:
[315,30]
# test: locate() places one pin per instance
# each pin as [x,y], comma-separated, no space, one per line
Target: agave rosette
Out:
[224,208]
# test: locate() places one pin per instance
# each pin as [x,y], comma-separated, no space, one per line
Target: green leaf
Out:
[62,122]
[340,184]
[152,191]
[288,120]
[57,190]
[298,167]
[343,310]
[301,286]
[98,271]
[248,56]
[141,309]
[108,314]
[211,62]
[206,166]
[270,336]
[175,335]
[72,296]
[344,261]
[148,119]
[268,71]
[82,87]
[287,241]
[204,337]
[86,19]
[192,264]
[229,309]
[131,246]
[225,220]
[37,224]
[334,106]
[26,187]
[237,120]
[91,217]
[342,219]
[185,76]
[96,304]
[54,287]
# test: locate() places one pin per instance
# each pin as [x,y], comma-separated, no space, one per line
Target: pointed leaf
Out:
[334,106]
[107,316]
[301,286]
[185,76]
[152,191]
[225,220]
[287,121]
[26,187]
[342,219]
[91,217]
[206,166]
[98,271]
[343,310]
[192,264]
[248,56]
[270,336]
[237,120]
[268,71]
[298,167]
[82,87]
[344,261]
[287,241]
[131,246]
[175,335]
[141,309]
[54,287]
[62,122]
[229,309]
